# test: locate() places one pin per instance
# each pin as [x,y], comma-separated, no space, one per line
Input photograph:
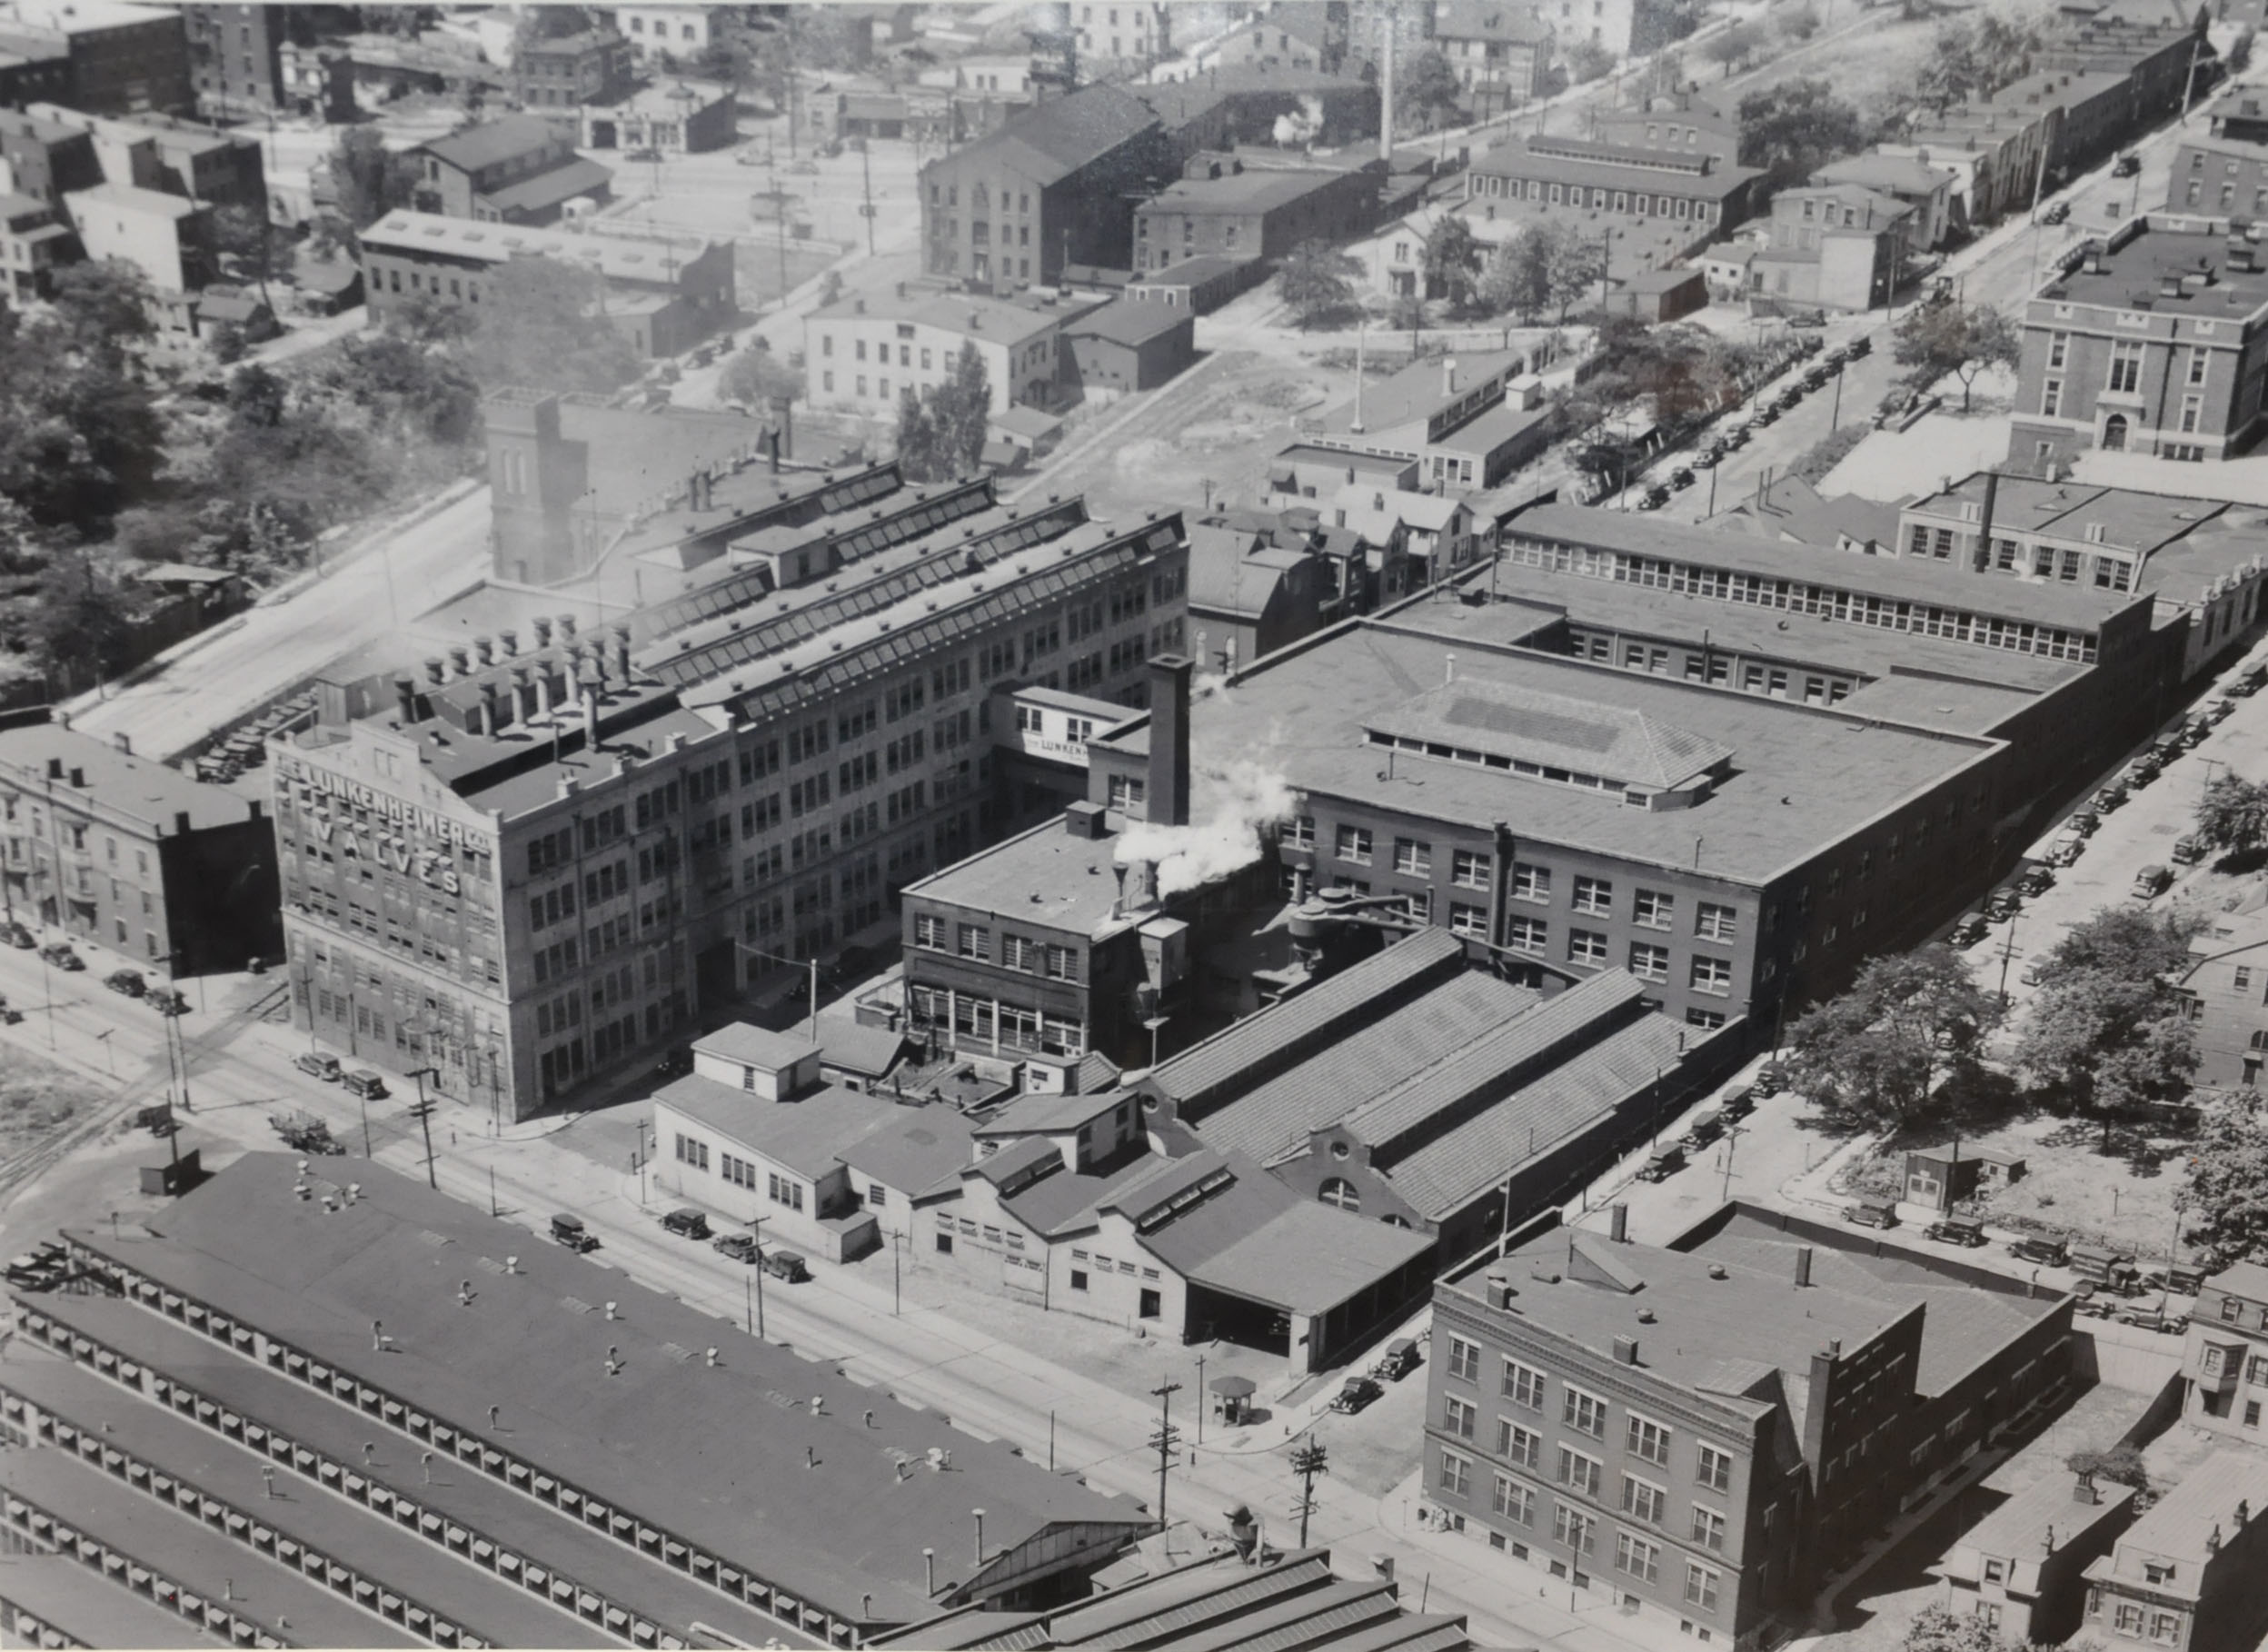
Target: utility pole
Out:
[423,1112]
[1200,1389]
[1163,1441]
[758,1223]
[866,167]
[1732,1140]
[1307,1462]
[2007,951]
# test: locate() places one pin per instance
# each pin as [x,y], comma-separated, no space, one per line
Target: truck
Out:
[2151,883]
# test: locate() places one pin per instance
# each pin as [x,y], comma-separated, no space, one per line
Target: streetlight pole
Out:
[424,1112]
[47,979]
[757,1222]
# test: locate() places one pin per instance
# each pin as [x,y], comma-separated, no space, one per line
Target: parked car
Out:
[2151,883]
[1354,1393]
[2253,680]
[128,982]
[2003,904]
[2126,165]
[2183,1281]
[1970,930]
[2048,1252]
[2035,882]
[1739,1104]
[2110,797]
[1662,1165]
[2220,710]
[365,1084]
[1767,413]
[2083,822]
[642,155]
[2055,211]
[2188,851]
[1771,1078]
[1866,1213]
[320,1066]
[167,1002]
[569,1230]
[687,1223]
[2154,1320]
[1708,457]
[1707,1127]
[2088,1299]
[1681,478]
[59,953]
[739,1246]
[674,1063]
[1861,345]
[1397,1362]
[1964,1230]
[1655,498]
[788,1266]
[16,935]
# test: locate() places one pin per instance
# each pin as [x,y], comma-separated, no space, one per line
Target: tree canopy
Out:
[2228,1187]
[541,325]
[1793,128]
[369,179]
[1425,94]
[940,435]
[1877,1054]
[1452,260]
[2107,1032]
[1317,280]
[1971,59]
[80,434]
[756,377]
[2233,813]
[1959,339]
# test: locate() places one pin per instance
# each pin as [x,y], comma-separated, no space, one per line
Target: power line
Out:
[1307,1462]
[1163,1440]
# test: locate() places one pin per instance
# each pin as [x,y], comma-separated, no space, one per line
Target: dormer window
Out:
[2156,1571]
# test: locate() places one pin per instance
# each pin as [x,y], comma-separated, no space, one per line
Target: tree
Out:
[543,324]
[1935,1630]
[2107,1032]
[1801,23]
[1969,60]
[81,627]
[1793,128]
[757,377]
[369,179]
[80,437]
[2233,814]
[2121,1465]
[1425,94]
[246,242]
[1510,284]
[1909,1024]
[1959,339]
[941,435]
[1574,265]
[2228,1187]
[105,306]
[1589,60]
[1733,45]
[1316,281]
[1452,260]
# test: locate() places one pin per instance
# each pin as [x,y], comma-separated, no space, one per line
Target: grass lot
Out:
[2069,1188]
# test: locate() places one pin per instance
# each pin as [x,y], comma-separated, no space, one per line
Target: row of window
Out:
[1640,203]
[1577,1530]
[974,940]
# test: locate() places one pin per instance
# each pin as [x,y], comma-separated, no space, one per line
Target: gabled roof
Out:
[548,189]
[808,1135]
[756,1046]
[1895,173]
[494,141]
[1054,139]
[1489,20]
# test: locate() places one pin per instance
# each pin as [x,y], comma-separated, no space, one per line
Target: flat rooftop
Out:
[1801,777]
[1043,877]
[1254,190]
[849,1528]
[133,788]
[657,261]
[2133,276]
[2127,518]
[503,1515]
[2072,608]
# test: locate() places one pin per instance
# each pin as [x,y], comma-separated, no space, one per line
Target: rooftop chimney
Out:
[622,653]
[459,665]
[488,709]
[405,699]
[78,778]
[1170,741]
[123,742]
[1448,375]
[437,671]
[1802,1266]
[508,640]
[565,624]
[181,821]
[2082,1490]
[484,649]
[1619,1222]
[542,629]
[1626,1350]
[54,768]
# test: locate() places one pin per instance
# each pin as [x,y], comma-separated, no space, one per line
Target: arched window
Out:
[1341,1192]
[2260,1040]
[2115,434]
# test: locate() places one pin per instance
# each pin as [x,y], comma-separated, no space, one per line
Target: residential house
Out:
[2226,986]
[2021,1567]
[2224,1353]
[166,237]
[35,242]
[659,31]
[515,170]
[861,354]
[1996,148]
[1840,246]
[1499,51]
[1927,189]
[2193,1573]
[1250,595]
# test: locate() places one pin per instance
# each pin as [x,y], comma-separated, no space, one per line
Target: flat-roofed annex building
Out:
[845,1515]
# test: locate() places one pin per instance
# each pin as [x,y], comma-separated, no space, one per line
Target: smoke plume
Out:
[1245,798]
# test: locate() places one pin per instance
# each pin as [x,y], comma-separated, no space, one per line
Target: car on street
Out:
[166,1001]
[2126,165]
[643,155]
[2252,681]
[687,1223]
[1681,478]
[1808,320]
[1662,1165]
[59,953]
[2220,709]
[1399,1361]
[1861,345]
[2031,975]
[2003,904]
[788,1266]
[674,1063]
[1708,457]
[2036,882]
[1970,928]
[1655,498]
[2048,1252]
[2151,883]
[2083,821]
[1738,1105]
[1963,1230]
[2187,851]
[16,935]
[569,1230]
[1867,1213]
[2154,1320]
[2055,211]
[320,1066]
[1771,1078]
[2182,1281]
[365,1084]
[128,982]
[1707,1127]
[1767,414]
[1736,437]
[2111,796]
[1354,1393]
[739,1246]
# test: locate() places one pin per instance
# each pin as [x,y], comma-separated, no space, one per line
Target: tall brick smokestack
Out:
[1169,801]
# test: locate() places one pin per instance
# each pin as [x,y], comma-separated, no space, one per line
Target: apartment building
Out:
[132,855]
[1697,1434]
[1500,52]
[2148,341]
[1839,246]
[556,77]
[35,242]
[236,58]
[2224,1356]
[516,170]
[525,867]
[116,56]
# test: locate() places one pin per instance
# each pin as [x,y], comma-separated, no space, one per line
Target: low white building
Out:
[861,354]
